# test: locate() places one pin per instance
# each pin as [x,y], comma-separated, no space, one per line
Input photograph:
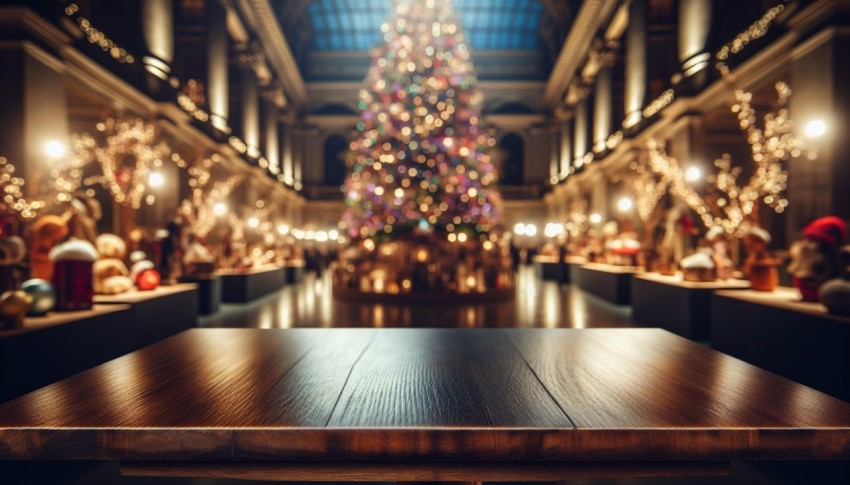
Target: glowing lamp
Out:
[625,204]
[815,129]
[54,149]
[156,179]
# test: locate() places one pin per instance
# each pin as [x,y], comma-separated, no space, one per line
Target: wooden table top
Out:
[561,395]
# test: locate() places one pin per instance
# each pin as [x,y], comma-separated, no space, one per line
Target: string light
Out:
[13,201]
[97,37]
[130,153]
[202,209]
[649,190]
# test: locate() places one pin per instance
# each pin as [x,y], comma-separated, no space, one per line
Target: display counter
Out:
[778,332]
[60,344]
[609,282]
[549,268]
[294,272]
[247,285]
[158,313]
[670,302]
[209,292]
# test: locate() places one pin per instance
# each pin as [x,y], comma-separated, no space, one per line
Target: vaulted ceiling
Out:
[510,39]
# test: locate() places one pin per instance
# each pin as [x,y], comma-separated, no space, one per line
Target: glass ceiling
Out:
[355,25]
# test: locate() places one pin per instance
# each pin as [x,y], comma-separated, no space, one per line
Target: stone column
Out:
[286,154]
[271,132]
[35,110]
[158,32]
[566,149]
[217,64]
[820,92]
[250,112]
[602,109]
[581,132]
[695,18]
[636,67]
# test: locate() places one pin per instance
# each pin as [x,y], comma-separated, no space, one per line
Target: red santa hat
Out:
[828,230]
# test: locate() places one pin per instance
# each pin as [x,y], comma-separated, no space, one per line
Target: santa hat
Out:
[828,230]
[759,233]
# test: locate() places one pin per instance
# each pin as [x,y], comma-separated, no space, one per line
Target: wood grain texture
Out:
[402,395]
[422,378]
[649,391]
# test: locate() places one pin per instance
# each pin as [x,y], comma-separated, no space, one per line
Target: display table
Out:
[47,349]
[612,283]
[158,313]
[682,307]
[570,265]
[777,332]
[406,405]
[549,268]
[209,293]
[294,272]
[250,284]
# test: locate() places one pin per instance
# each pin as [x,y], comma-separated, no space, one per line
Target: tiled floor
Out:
[537,304]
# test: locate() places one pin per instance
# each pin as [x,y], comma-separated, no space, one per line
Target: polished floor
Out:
[537,303]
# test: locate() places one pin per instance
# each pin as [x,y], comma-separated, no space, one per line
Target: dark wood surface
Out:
[402,395]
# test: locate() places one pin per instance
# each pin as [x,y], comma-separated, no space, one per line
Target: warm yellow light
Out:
[219,208]
[519,229]
[530,230]
[253,223]
[54,149]
[595,218]
[692,174]
[625,204]
[156,180]
[815,129]
[283,229]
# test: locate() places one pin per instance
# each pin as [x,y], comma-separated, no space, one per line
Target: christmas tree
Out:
[421,161]
[423,213]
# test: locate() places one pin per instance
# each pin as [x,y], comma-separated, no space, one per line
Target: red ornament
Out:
[148,279]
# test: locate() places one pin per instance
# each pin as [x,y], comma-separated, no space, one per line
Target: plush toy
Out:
[815,258]
[12,253]
[760,265]
[47,232]
[110,273]
[72,274]
[835,294]
[82,216]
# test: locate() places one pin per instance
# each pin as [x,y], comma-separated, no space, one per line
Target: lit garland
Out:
[199,209]
[131,152]
[649,190]
[421,160]
[755,31]
[97,37]
[11,188]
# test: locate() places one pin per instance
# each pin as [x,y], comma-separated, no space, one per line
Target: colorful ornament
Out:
[42,294]
[13,306]
[148,279]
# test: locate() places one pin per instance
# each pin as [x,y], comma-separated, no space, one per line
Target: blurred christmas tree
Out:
[421,161]
[423,213]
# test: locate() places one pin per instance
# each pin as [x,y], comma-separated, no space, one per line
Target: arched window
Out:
[513,147]
[335,148]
